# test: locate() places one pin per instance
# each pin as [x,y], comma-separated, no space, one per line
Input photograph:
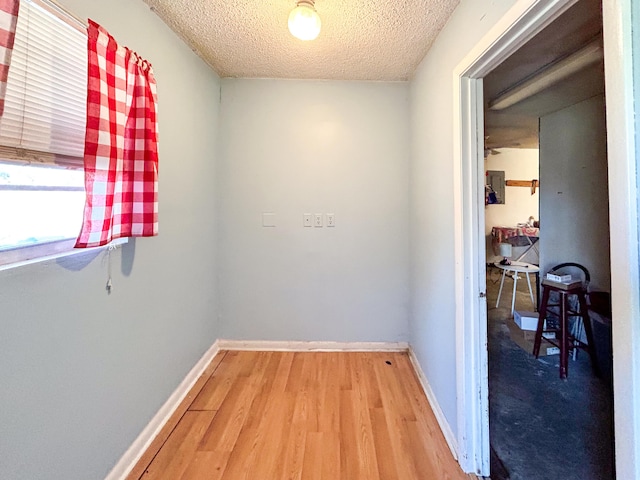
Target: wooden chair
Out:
[565,340]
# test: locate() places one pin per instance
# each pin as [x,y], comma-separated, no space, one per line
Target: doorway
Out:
[522,22]
[545,129]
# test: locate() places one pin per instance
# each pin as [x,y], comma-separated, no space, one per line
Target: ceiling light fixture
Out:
[557,72]
[304,21]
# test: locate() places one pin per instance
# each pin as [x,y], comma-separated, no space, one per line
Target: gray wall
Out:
[574,194]
[293,147]
[83,372]
[432,325]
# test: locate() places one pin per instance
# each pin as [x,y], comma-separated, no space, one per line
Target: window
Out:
[42,135]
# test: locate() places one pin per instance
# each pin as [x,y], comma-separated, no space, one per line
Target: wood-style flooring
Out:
[307,416]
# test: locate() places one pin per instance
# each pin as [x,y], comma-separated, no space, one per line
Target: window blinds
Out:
[45,107]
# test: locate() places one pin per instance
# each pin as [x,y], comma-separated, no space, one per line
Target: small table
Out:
[516,268]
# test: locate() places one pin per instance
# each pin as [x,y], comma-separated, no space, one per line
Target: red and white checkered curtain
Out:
[121,144]
[8,20]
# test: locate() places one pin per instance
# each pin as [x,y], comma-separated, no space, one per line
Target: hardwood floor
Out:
[311,415]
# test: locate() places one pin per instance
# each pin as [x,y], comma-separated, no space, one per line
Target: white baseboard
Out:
[435,406]
[284,346]
[140,444]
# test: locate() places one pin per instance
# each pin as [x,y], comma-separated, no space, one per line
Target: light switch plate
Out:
[307,220]
[317,220]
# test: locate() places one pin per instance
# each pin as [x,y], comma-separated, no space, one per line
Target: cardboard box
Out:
[562,285]
[559,278]
[526,338]
[526,320]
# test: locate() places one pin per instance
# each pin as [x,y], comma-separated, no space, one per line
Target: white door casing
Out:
[622,55]
[524,20]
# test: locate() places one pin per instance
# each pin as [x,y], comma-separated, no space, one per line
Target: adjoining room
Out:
[546,205]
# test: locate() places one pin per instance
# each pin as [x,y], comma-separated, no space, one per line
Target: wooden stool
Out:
[565,340]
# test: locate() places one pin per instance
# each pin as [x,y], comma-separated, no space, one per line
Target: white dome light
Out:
[304,21]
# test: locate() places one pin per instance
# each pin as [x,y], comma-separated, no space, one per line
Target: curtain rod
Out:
[63,13]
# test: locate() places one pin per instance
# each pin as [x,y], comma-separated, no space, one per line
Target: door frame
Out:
[523,21]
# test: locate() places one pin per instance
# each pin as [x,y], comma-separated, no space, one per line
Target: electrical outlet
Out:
[317,220]
[331,220]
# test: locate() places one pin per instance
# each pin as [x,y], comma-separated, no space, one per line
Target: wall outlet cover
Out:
[268,219]
[331,220]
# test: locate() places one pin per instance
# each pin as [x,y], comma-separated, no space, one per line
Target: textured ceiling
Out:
[360,39]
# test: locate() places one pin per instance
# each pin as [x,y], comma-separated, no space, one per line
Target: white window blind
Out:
[43,126]
[45,106]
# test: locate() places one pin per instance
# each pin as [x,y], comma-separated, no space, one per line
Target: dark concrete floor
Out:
[541,427]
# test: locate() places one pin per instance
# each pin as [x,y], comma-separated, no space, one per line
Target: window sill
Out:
[65,253]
